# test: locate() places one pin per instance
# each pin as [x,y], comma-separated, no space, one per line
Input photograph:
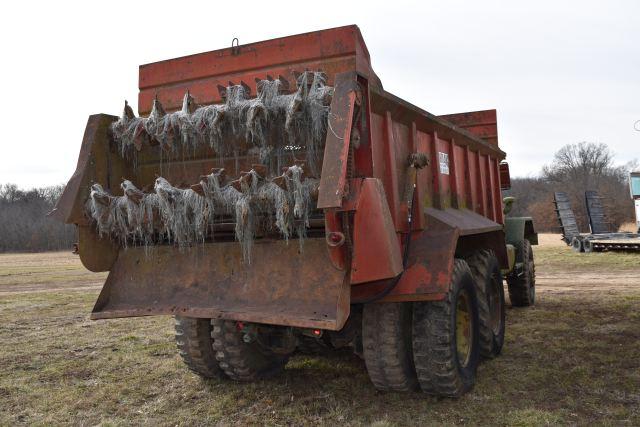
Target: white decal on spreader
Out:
[443,160]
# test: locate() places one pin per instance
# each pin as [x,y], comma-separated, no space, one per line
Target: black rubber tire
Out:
[587,246]
[243,361]
[485,269]
[435,354]
[576,245]
[522,290]
[386,339]
[195,345]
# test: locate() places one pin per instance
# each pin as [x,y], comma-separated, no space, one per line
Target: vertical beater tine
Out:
[246,87]
[222,91]
[284,83]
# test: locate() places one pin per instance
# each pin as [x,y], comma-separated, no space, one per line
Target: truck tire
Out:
[386,339]
[485,269]
[242,361]
[195,345]
[522,288]
[445,337]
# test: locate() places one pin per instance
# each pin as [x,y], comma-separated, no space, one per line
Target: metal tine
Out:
[128,111]
[188,103]
[284,83]
[236,184]
[245,177]
[157,113]
[259,86]
[157,110]
[301,165]
[247,88]
[260,169]
[131,191]
[139,136]
[280,181]
[222,90]
[198,189]
[101,196]
[221,172]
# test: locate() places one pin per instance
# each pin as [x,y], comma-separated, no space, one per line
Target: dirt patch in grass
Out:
[571,359]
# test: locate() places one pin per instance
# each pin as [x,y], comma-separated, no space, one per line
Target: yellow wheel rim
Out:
[464,328]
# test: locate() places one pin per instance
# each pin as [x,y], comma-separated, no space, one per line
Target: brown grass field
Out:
[574,358]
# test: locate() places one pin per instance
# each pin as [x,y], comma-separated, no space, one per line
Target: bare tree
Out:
[24,225]
[575,168]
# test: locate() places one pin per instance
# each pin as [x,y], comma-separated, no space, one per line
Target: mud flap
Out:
[281,286]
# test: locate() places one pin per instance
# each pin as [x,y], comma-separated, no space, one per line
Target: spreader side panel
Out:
[283,284]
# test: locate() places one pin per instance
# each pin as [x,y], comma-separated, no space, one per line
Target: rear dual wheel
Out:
[217,349]
[522,282]
[241,359]
[446,337]
[485,269]
[433,344]
[387,346]
[195,345]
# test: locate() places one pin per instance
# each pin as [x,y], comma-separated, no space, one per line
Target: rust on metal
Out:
[377,147]
[376,249]
[483,124]
[334,164]
[280,286]
[334,50]
[428,272]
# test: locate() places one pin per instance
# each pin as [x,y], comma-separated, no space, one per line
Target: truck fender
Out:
[519,228]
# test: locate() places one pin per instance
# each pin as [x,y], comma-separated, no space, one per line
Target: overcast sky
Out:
[558,72]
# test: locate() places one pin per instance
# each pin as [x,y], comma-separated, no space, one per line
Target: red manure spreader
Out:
[274,198]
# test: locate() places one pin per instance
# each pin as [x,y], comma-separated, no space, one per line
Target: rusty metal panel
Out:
[505,177]
[392,142]
[336,150]
[376,249]
[382,101]
[96,253]
[483,124]
[428,272]
[333,51]
[466,221]
[281,286]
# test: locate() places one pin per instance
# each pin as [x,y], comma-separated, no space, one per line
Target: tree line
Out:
[576,168]
[24,226]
